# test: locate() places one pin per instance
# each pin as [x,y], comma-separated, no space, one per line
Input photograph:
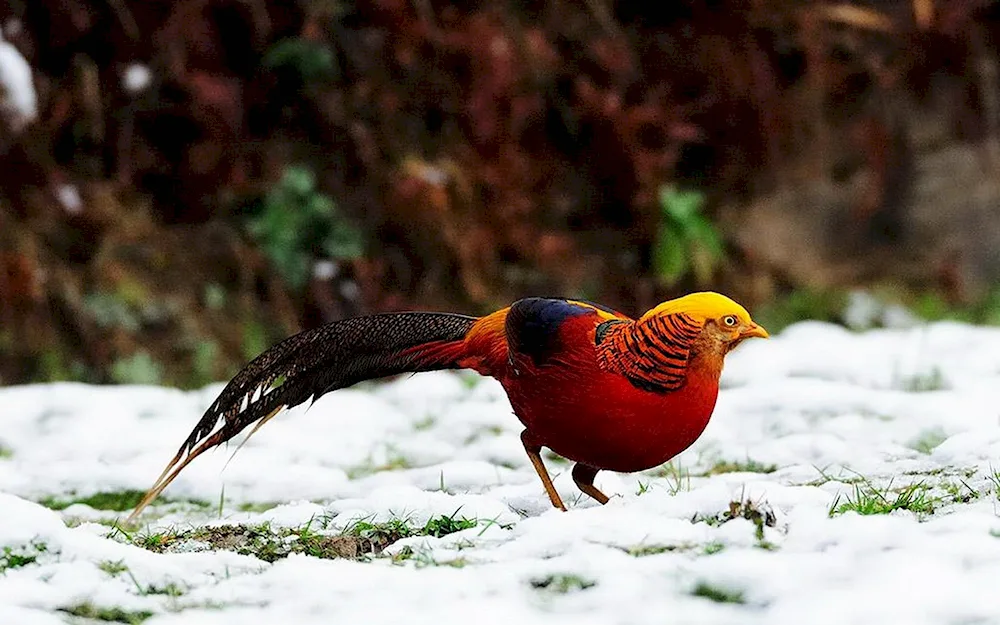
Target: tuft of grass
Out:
[403,555]
[6,452]
[928,440]
[390,531]
[718,594]
[425,424]
[678,478]
[117,501]
[17,557]
[114,568]
[750,466]
[470,379]
[562,583]
[760,516]
[395,461]
[994,478]
[380,534]
[868,499]
[249,506]
[444,525]
[932,380]
[553,457]
[641,551]
[496,430]
[88,610]
[960,492]
[423,558]
[995,533]
[157,542]
[169,589]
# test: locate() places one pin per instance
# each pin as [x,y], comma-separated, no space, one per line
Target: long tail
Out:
[312,363]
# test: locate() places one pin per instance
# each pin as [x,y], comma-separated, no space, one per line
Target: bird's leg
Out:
[584,475]
[534,453]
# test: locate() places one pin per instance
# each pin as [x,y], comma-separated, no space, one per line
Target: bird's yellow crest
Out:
[701,306]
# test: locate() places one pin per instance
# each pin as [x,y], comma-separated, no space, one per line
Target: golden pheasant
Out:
[606,391]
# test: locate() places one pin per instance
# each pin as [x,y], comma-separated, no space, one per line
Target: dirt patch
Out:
[264,542]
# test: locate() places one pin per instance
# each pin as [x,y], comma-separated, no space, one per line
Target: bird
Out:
[606,391]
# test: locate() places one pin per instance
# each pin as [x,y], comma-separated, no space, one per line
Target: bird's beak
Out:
[754,330]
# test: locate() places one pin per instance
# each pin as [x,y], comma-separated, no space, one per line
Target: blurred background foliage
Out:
[204,177]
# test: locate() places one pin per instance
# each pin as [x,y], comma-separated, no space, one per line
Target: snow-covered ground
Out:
[843,419]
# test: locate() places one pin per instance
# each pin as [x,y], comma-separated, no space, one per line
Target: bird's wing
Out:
[533,325]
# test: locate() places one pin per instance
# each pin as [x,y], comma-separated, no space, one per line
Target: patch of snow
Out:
[69,197]
[136,77]
[18,99]
[325,269]
[829,410]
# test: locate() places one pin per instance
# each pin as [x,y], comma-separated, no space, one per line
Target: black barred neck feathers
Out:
[653,353]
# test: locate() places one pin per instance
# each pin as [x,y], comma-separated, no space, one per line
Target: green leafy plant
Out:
[296,225]
[687,241]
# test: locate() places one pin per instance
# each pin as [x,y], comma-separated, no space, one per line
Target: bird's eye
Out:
[729,321]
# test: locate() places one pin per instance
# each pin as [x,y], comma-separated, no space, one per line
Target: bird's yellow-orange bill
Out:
[755,331]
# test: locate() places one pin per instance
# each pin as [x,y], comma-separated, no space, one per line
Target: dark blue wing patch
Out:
[533,324]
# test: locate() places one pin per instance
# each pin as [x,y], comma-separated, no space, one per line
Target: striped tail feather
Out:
[312,363]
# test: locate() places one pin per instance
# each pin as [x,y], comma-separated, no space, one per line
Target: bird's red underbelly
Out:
[610,424]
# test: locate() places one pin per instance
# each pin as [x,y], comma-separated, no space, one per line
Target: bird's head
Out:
[724,323]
